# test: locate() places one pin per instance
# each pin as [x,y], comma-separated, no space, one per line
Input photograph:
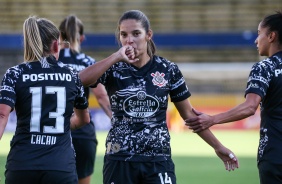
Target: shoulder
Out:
[85,58]
[14,73]
[268,64]
[67,67]
[163,62]
[18,69]
[120,65]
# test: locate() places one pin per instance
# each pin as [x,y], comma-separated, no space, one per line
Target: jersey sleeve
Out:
[8,85]
[101,80]
[259,79]
[179,90]
[89,60]
[80,101]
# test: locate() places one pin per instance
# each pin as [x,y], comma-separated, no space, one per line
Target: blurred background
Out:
[212,41]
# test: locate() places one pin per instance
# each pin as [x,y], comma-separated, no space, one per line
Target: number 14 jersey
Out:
[139,100]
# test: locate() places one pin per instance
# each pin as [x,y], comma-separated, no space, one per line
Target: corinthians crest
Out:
[158,79]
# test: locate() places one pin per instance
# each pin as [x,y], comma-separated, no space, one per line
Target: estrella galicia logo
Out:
[158,79]
[141,105]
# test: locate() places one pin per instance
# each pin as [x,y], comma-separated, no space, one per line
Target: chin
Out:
[263,54]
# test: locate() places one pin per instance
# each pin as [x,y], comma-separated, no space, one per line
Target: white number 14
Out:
[166,179]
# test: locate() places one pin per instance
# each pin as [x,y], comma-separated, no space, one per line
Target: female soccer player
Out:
[264,88]
[138,143]
[43,93]
[49,101]
[83,139]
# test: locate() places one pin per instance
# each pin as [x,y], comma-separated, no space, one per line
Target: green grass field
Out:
[195,161]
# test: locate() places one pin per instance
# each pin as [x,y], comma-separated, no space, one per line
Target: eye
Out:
[137,33]
[123,34]
[259,32]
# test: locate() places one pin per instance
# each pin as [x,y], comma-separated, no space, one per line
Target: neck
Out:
[274,48]
[142,61]
[274,51]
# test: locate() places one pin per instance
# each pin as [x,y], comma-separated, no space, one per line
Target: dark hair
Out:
[71,29]
[274,23]
[140,17]
[39,33]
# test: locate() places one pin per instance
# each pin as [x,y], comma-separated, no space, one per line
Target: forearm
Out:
[4,115]
[3,124]
[103,99]
[237,113]
[210,139]
[91,74]
[106,107]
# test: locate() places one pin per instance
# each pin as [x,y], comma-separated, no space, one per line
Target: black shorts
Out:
[42,177]
[270,173]
[85,156]
[121,172]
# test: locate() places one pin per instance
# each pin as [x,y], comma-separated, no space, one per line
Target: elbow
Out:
[251,110]
[87,83]
[81,122]
[86,79]
[83,119]
[86,120]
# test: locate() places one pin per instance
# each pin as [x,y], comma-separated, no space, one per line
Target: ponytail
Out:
[71,29]
[39,33]
[33,48]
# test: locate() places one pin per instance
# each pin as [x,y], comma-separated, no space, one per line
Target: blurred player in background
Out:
[264,88]
[84,139]
[49,101]
[138,143]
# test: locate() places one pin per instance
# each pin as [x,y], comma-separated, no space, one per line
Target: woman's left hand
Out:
[228,157]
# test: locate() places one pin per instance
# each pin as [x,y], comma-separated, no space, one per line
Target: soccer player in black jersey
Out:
[83,139]
[138,144]
[49,101]
[44,94]
[264,88]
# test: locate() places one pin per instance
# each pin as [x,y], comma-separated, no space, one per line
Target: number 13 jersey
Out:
[43,95]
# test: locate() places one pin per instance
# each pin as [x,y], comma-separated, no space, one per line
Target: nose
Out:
[129,40]
[256,40]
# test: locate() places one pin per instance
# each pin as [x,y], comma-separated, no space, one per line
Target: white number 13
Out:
[36,107]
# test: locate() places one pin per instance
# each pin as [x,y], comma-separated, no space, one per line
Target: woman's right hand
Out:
[127,54]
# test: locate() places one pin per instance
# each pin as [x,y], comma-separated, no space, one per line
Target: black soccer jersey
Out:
[139,100]
[43,95]
[266,80]
[79,61]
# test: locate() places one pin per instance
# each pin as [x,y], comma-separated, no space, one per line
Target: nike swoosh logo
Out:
[121,77]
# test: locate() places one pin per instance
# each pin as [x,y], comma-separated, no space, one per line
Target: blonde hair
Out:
[39,33]
[71,28]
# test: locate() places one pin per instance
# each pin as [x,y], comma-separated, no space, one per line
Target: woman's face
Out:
[132,33]
[262,41]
